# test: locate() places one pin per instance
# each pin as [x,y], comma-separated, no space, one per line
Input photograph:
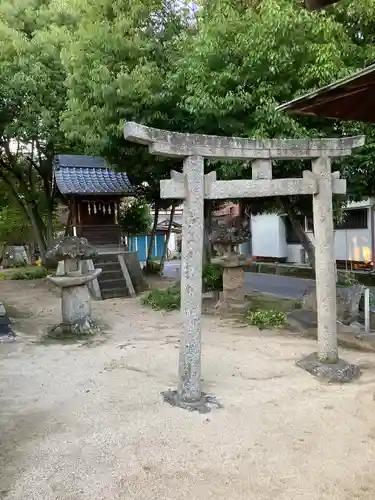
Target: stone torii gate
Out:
[193,187]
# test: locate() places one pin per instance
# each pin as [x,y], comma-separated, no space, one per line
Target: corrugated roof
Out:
[351,98]
[80,174]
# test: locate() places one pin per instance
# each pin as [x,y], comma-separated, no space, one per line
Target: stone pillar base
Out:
[204,405]
[76,313]
[340,372]
[83,329]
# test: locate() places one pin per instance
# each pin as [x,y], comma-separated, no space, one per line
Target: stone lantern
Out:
[75,296]
[225,239]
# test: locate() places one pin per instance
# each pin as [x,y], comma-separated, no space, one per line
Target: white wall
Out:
[268,239]
[350,244]
[268,236]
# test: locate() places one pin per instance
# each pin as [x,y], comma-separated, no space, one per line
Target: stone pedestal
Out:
[234,285]
[233,297]
[75,305]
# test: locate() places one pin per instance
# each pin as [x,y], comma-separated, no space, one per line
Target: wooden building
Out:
[92,191]
[351,98]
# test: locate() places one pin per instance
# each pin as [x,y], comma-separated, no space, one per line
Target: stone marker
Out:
[193,187]
[347,302]
[75,296]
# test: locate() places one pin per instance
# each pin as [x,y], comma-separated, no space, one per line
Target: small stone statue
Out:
[75,297]
[225,237]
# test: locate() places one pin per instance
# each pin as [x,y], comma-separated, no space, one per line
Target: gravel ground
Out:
[86,421]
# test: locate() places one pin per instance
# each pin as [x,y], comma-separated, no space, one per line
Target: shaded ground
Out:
[86,421]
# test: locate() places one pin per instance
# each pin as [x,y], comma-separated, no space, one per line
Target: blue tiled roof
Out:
[79,174]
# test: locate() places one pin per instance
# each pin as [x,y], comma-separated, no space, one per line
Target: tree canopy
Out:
[74,70]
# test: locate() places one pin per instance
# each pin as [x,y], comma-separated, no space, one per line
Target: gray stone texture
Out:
[174,144]
[340,372]
[325,264]
[347,302]
[135,271]
[13,255]
[189,388]
[75,305]
[204,405]
[234,285]
[74,277]
[193,187]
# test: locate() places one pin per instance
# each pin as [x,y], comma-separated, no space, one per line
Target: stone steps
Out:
[111,280]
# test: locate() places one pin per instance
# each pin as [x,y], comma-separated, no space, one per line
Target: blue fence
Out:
[139,243]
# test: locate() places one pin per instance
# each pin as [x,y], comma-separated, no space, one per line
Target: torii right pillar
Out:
[325,267]
[326,362]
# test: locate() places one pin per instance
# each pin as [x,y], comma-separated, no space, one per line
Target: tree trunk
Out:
[167,238]
[207,246]
[301,233]
[31,211]
[49,228]
[153,234]
[38,232]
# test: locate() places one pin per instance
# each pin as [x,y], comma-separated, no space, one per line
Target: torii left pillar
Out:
[189,388]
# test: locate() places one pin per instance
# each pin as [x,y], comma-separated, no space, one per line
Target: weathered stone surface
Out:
[204,405]
[163,142]
[135,271]
[14,254]
[261,169]
[234,285]
[71,248]
[339,372]
[84,329]
[74,278]
[76,306]
[352,336]
[75,295]
[325,264]
[189,389]
[347,302]
[225,237]
[193,187]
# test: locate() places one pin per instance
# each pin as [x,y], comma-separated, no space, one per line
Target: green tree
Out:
[248,57]
[135,217]
[32,97]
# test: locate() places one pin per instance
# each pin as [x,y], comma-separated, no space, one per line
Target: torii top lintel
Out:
[175,144]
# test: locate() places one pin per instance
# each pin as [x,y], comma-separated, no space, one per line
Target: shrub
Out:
[18,264]
[167,299]
[266,319]
[212,277]
[29,274]
[346,279]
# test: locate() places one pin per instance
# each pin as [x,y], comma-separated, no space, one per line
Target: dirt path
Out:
[86,421]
